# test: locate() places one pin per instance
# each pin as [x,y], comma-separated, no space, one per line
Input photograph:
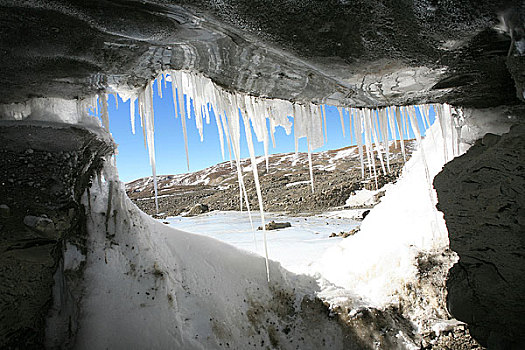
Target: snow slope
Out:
[150,286]
[379,261]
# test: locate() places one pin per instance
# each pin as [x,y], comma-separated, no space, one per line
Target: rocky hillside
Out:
[285,185]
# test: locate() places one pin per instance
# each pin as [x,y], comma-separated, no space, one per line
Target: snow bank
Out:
[149,286]
[379,260]
[365,198]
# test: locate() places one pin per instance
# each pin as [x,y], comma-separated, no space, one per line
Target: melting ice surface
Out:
[296,247]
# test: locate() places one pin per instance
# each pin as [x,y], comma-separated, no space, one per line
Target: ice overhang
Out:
[336,54]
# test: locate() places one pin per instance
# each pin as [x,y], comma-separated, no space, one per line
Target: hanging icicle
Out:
[178,95]
[146,114]
[104,111]
[359,138]
[132,113]
[340,110]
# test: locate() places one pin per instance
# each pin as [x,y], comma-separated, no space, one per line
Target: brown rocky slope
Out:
[285,185]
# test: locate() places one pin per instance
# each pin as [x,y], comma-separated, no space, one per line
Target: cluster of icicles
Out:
[370,129]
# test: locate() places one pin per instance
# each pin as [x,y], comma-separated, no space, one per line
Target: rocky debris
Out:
[40,224]
[344,234]
[272,225]
[41,214]
[457,338]
[482,196]
[198,209]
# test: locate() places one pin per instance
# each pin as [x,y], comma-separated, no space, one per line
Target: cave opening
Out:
[83,267]
[199,195]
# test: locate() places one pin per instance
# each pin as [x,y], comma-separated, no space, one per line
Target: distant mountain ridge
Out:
[285,185]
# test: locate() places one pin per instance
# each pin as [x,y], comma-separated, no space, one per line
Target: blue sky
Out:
[133,161]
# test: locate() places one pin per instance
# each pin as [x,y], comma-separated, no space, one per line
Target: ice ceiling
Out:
[360,54]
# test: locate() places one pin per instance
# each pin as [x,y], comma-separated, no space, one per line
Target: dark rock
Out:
[32,246]
[350,233]
[40,224]
[272,225]
[490,139]
[365,213]
[482,195]
[198,209]
[344,234]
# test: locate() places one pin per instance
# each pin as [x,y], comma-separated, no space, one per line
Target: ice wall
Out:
[377,262]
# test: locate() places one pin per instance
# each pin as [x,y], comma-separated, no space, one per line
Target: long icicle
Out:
[359,139]
[368,138]
[272,130]
[392,125]
[221,134]
[249,213]
[324,122]
[104,111]
[309,135]
[132,113]
[400,132]
[296,129]
[310,167]
[375,139]
[383,130]
[340,110]
[159,85]
[249,141]
[142,123]
[349,124]
[180,95]
[147,110]
[229,126]
[367,147]
[227,133]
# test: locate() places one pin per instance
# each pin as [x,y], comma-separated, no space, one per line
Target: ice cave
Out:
[438,263]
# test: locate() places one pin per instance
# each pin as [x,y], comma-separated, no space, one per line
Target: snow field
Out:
[148,285]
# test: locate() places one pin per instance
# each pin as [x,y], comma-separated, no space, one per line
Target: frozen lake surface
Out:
[296,247]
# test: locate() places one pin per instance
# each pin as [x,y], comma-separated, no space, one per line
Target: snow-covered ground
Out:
[150,286]
[296,247]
